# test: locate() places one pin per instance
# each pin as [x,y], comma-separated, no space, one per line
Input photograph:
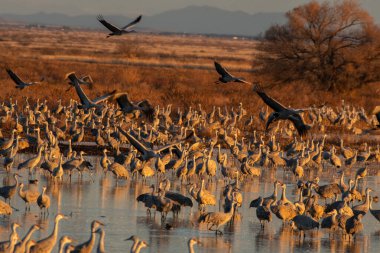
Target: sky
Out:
[151,7]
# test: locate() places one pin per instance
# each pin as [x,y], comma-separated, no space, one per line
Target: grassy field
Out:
[175,69]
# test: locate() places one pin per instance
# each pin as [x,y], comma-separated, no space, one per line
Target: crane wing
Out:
[123,101]
[134,22]
[138,145]
[300,125]
[14,77]
[221,70]
[147,108]
[82,96]
[104,97]
[272,103]
[108,25]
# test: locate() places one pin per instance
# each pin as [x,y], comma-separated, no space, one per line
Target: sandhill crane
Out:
[361,172]
[47,244]
[217,219]
[43,201]
[87,246]
[165,205]
[64,244]
[104,161]
[263,213]
[283,113]
[342,185]
[116,30]
[135,240]
[11,245]
[21,246]
[127,106]
[8,191]
[303,222]
[48,165]
[5,209]
[182,171]
[191,243]
[35,140]
[354,225]
[220,156]
[328,191]
[149,199]
[334,159]
[29,196]
[7,245]
[86,80]
[363,208]
[31,163]
[375,213]
[284,200]
[146,170]
[353,193]
[330,221]
[298,170]
[146,153]
[267,200]
[363,156]
[300,205]
[175,196]
[140,245]
[20,84]
[119,171]
[9,159]
[58,171]
[225,76]
[346,152]
[7,144]
[284,212]
[29,245]
[337,205]
[316,210]
[205,198]
[85,101]
[74,163]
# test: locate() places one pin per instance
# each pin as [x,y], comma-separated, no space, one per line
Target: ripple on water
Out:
[85,200]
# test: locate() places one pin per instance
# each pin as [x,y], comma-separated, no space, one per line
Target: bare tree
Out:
[335,45]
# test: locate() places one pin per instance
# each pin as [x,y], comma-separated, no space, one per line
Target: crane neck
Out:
[191,247]
[283,196]
[356,183]
[367,199]
[101,242]
[54,235]
[275,191]
[21,192]
[232,210]
[301,197]
[28,235]
[342,179]
[62,247]
[16,179]
[139,246]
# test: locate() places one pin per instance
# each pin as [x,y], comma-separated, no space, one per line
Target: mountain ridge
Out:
[191,19]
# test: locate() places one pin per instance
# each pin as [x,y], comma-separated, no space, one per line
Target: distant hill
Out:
[192,19]
[210,20]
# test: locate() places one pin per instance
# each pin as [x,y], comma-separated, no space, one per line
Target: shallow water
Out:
[115,205]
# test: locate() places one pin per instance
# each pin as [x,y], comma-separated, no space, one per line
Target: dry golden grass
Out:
[163,68]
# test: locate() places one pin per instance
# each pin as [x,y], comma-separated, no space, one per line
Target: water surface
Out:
[115,205]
